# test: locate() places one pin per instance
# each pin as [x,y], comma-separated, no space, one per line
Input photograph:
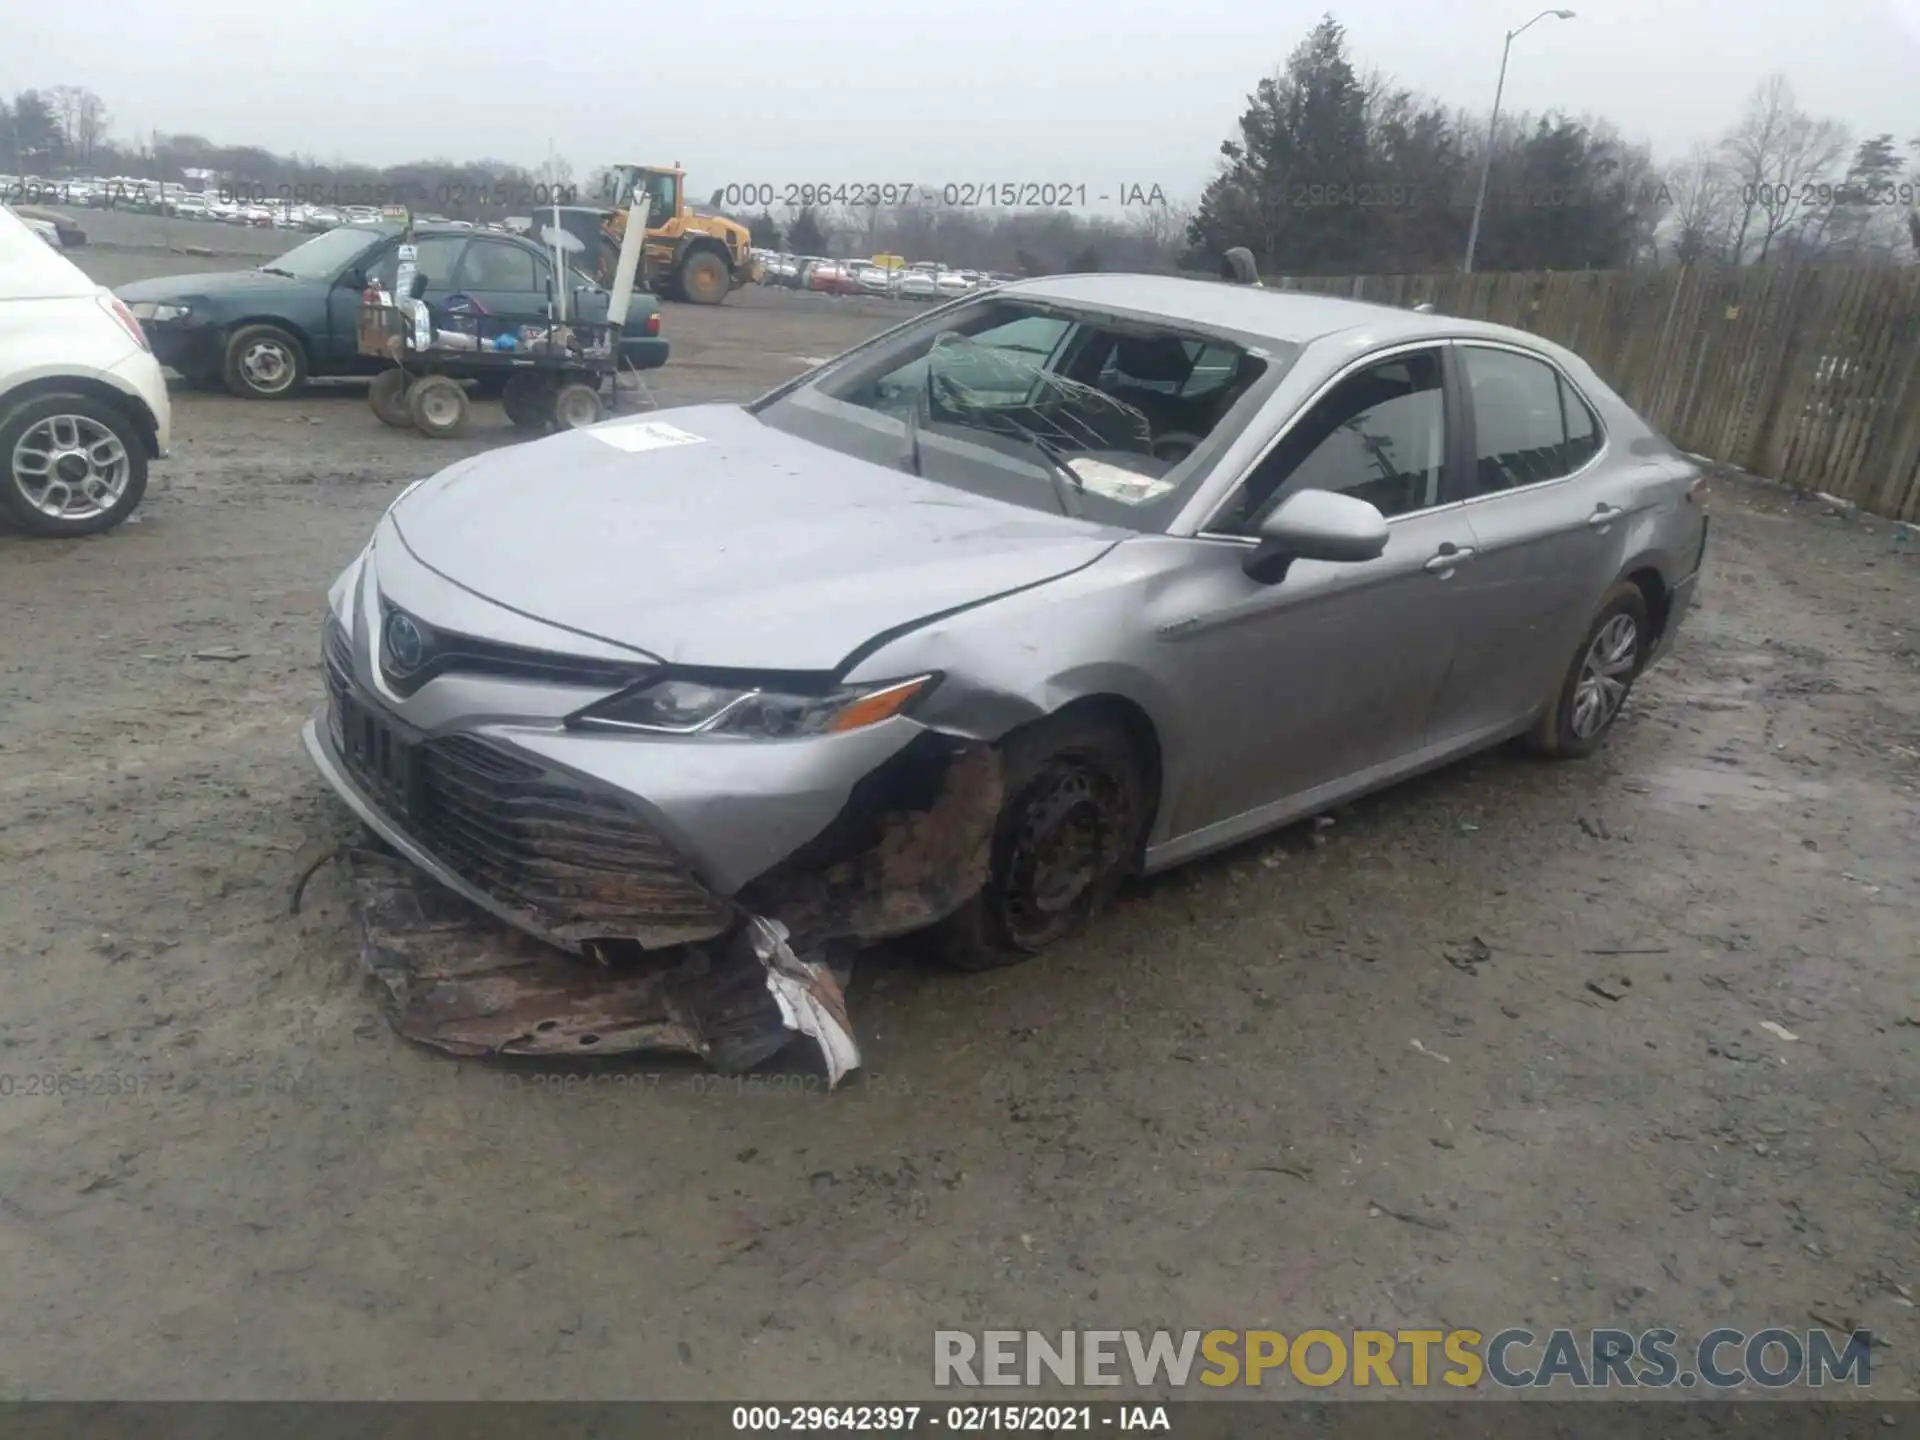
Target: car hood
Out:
[211,285]
[747,548]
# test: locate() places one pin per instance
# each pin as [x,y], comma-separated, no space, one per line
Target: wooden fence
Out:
[1806,374]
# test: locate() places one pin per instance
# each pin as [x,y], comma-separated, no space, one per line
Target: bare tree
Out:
[1705,206]
[1778,156]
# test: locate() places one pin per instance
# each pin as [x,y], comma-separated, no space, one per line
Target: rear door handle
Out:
[1604,515]
[1449,557]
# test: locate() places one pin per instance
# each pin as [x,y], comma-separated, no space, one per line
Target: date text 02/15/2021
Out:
[978,194]
[974,1419]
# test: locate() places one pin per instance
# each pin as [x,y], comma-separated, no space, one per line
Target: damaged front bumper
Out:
[728,972]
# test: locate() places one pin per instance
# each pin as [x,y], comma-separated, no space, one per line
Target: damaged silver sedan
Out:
[1080,578]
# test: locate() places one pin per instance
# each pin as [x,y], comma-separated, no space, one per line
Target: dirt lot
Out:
[1211,1111]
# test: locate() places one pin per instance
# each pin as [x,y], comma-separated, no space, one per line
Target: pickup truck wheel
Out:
[1068,832]
[74,465]
[264,362]
[703,278]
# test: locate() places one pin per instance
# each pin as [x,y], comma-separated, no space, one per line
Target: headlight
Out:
[691,707]
[153,310]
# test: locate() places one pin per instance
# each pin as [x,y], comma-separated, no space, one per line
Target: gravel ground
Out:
[1209,1111]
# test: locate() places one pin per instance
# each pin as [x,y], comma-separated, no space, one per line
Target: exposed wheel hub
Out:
[1069,837]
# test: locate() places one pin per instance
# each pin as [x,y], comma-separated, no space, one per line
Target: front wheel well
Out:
[134,408]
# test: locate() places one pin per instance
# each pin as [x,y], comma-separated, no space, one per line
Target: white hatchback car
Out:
[83,403]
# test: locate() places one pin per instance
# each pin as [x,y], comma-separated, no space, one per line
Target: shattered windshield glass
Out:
[1103,417]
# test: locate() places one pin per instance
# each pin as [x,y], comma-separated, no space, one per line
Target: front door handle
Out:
[1449,556]
[1604,515]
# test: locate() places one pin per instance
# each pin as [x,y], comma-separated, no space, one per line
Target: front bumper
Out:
[554,860]
[190,350]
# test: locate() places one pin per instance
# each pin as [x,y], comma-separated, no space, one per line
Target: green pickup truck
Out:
[265,332]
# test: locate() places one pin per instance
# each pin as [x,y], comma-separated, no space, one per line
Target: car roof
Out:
[31,269]
[1284,315]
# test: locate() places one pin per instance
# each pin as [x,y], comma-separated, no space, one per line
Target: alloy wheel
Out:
[1605,673]
[71,467]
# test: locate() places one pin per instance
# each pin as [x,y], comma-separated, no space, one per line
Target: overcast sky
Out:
[778,91]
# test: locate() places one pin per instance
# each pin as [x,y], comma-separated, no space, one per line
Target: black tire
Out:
[704,278]
[1076,780]
[264,362]
[1615,647]
[438,406]
[41,445]
[387,395]
[577,406]
[528,401]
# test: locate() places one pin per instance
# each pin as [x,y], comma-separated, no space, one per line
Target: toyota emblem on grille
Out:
[406,646]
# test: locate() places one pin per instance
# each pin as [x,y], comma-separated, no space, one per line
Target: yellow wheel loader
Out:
[689,255]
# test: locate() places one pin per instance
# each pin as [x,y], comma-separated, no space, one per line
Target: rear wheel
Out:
[528,401]
[1068,832]
[438,406]
[74,465]
[576,406]
[387,396]
[704,278]
[1595,688]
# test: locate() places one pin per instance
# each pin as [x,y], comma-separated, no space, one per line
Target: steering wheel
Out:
[1175,446]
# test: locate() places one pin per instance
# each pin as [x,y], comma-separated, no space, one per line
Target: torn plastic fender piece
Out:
[809,997]
[462,981]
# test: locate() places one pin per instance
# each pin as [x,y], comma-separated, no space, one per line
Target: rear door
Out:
[1546,540]
[436,258]
[506,278]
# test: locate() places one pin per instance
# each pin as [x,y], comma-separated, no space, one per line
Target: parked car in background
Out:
[68,229]
[83,403]
[951,284]
[876,280]
[265,332]
[191,207]
[832,277]
[918,284]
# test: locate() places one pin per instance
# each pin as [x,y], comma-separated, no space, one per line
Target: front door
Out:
[1330,674]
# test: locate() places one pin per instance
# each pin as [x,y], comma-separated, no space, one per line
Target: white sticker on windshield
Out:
[645,435]
[1116,482]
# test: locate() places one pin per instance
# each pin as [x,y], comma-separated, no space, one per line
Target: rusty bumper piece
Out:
[912,845]
[460,980]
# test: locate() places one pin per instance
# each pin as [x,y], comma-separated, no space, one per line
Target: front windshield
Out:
[324,256]
[1114,418]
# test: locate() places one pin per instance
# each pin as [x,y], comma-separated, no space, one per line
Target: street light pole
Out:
[1486,164]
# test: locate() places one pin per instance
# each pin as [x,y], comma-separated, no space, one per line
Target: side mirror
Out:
[418,289]
[1316,525]
[353,278]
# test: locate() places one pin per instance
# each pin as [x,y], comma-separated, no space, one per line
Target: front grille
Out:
[580,860]
[447,653]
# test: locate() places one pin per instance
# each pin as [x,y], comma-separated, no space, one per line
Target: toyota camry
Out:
[1069,580]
